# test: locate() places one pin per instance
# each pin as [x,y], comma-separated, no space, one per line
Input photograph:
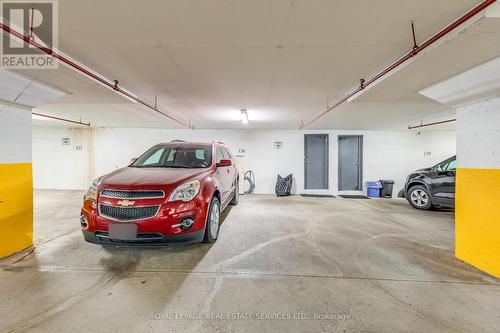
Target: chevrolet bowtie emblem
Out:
[126,203]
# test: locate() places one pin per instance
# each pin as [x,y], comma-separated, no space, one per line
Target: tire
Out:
[213,222]
[236,194]
[419,197]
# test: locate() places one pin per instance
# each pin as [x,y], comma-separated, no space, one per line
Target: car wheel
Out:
[213,222]
[236,195]
[419,197]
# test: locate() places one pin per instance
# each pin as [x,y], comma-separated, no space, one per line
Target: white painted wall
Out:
[15,134]
[58,166]
[478,135]
[387,154]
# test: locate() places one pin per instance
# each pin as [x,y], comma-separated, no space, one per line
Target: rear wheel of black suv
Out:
[213,222]
[419,197]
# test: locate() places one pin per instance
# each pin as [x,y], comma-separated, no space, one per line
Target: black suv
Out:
[434,186]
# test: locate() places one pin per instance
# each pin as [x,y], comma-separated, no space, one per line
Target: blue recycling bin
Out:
[373,189]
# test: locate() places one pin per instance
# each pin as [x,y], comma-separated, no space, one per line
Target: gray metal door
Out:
[350,162]
[316,161]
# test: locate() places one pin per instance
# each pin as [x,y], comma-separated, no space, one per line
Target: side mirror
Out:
[224,163]
[132,160]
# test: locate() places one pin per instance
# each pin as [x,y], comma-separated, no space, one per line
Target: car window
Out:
[154,159]
[200,154]
[219,155]
[170,156]
[176,157]
[449,165]
[227,155]
[452,165]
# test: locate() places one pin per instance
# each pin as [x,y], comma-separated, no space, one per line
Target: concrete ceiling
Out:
[279,59]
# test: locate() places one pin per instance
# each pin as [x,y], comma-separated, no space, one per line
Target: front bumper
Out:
[164,228]
[144,239]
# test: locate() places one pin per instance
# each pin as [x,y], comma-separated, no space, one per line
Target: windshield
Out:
[175,157]
[447,166]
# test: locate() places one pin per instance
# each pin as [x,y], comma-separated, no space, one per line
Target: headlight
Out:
[91,192]
[185,192]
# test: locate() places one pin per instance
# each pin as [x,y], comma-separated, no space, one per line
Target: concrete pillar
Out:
[477,225]
[16,189]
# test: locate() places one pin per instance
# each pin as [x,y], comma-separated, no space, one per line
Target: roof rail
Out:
[216,141]
[178,141]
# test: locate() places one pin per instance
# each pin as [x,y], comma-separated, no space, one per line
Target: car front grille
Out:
[126,214]
[124,194]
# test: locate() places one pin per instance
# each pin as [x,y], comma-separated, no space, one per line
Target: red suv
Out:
[173,193]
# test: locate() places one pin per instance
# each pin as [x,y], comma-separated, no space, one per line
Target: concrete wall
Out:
[387,154]
[61,166]
[478,184]
[16,195]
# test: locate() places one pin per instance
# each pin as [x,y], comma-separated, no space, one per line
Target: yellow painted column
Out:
[477,226]
[16,181]
[477,200]
[16,208]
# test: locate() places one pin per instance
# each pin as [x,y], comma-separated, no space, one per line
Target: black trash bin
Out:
[386,191]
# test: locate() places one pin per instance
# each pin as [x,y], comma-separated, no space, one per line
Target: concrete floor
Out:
[378,265]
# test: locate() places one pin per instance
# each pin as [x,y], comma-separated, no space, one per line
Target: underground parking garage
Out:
[250,166]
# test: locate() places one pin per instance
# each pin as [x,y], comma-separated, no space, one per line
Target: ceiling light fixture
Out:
[244,116]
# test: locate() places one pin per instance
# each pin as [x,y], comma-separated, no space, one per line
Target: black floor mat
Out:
[317,195]
[353,196]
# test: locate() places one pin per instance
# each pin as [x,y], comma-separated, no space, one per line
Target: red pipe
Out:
[476,10]
[60,119]
[431,124]
[114,86]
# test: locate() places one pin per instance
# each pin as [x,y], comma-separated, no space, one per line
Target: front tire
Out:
[213,222]
[419,197]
